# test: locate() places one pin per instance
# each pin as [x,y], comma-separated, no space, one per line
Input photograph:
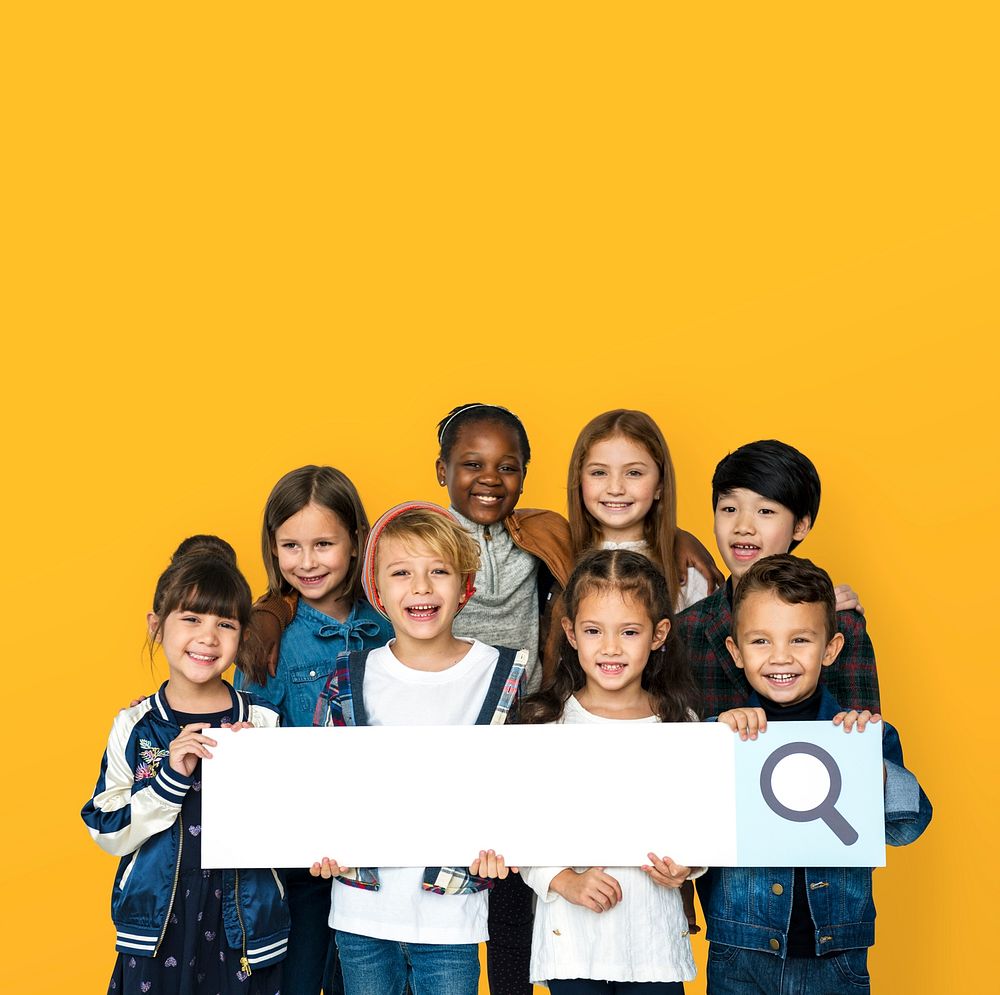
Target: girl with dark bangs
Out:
[182,930]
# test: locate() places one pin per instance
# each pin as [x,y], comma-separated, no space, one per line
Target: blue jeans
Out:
[582,986]
[386,967]
[311,962]
[735,971]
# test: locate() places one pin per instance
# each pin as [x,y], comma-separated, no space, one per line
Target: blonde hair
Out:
[444,537]
[660,524]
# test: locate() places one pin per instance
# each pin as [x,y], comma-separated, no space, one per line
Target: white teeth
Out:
[782,678]
[205,659]
[421,608]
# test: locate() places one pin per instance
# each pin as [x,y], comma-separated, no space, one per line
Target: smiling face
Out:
[199,647]
[314,552]
[613,637]
[782,648]
[484,472]
[420,591]
[749,527]
[619,483]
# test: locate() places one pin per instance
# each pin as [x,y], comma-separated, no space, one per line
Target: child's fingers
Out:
[846,598]
[326,869]
[854,718]
[604,896]
[679,872]
[613,883]
[489,864]
[728,719]
[746,722]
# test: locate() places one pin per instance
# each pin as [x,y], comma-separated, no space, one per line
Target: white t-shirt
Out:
[643,938]
[401,910]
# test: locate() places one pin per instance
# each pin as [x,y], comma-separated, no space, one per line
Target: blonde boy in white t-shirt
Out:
[409,925]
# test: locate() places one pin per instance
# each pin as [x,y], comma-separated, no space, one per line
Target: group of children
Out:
[485,613]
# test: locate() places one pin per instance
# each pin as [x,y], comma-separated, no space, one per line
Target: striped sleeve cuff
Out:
[171,786]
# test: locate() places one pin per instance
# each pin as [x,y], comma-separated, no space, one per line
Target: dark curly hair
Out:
[666,678]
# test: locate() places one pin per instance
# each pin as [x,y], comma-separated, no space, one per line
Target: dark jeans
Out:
[508,952]
[581,986]
[735,971]
[312,961]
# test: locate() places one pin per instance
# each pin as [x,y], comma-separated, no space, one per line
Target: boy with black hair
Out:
[798,930]
[765,496]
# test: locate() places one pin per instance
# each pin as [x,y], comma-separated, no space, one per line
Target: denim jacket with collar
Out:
[310,647]
[342,704]
[751,907]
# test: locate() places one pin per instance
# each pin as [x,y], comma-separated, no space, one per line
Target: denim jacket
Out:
[751,907]
[310,647]
[343,703]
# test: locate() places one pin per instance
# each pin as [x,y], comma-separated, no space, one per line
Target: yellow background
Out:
[240,238]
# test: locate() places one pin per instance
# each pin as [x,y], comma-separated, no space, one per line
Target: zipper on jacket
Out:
[173,891]
[244,963]
[486,533]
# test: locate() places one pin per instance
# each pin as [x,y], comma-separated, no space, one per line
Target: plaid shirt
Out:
[851,678]
[338,705]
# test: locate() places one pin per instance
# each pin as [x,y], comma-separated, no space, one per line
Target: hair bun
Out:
[205,545]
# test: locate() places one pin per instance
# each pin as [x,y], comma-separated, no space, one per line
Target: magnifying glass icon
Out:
[809,809]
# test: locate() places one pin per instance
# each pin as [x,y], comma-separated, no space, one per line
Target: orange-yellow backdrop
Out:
[245,237]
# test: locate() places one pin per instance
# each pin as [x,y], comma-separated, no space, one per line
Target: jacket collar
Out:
[828,706]
[240,705]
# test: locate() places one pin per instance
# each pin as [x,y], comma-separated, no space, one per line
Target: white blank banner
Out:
[432,795]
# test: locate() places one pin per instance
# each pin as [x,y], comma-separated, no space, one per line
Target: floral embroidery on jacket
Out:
[150,757]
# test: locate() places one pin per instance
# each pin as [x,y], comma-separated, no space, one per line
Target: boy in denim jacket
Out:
[797,930]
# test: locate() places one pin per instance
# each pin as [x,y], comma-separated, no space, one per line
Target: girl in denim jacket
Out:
[181,929]
[313,536]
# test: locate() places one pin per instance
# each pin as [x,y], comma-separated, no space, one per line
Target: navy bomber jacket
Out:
[135,814]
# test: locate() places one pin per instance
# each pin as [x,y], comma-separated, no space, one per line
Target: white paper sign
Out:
[802,794]
[436,795]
